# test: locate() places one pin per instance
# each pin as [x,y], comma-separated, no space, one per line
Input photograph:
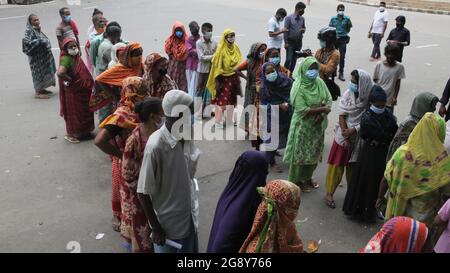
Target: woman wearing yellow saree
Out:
[419,173]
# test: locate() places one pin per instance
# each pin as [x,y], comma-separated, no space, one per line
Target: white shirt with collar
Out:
[169,182]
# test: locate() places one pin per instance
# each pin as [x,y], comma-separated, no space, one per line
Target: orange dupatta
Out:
[175,46]
[116,74]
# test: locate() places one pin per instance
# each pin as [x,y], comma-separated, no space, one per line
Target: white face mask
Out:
[73,51]
[208,35]
[381,9]
[341,13]
[231,40]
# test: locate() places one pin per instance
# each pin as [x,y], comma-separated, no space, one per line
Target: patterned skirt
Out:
[134,225]
[228,90]
[115,186]
[177,72]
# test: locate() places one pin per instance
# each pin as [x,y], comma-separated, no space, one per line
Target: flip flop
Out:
[304,188]
[72,140]
[314,184]
[41,96]
[116,224]
[330,203]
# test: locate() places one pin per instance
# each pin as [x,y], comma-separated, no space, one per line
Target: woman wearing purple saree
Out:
[238,203]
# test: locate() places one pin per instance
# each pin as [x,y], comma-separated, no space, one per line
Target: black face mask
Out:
[162,71]
[399,25]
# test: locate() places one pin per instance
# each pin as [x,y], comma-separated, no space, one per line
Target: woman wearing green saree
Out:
[417,176]
[311,101]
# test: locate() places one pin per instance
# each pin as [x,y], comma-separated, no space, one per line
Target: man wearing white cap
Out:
[165,181]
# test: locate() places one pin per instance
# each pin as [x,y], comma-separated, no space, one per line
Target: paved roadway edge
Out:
[440,12]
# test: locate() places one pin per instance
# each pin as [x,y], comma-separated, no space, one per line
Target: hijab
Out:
[238,203]
[280,88]
[176,46]
[124,116]
[420,166]
[224,60]
[274,230]
[423,103]
[398,235]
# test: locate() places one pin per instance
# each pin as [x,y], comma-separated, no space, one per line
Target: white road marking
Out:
[425,46]
[93,7]
[57,48]
[237,35]
[12,17]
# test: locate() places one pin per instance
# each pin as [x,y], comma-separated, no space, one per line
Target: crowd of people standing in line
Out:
[399,171]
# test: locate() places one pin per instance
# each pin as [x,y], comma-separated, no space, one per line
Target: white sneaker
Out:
[218,125]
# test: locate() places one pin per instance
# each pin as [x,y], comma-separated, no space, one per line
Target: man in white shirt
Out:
[166,177]
[275,39]
[377,30]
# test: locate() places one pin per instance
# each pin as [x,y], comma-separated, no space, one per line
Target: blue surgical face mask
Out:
[179,33]
[67,18]
[377,110]
[272,76]
[353,87]
[323,44]
[312,74]
[275,60]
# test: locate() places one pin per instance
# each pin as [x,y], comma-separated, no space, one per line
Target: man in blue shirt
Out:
[343,24]
[293,35]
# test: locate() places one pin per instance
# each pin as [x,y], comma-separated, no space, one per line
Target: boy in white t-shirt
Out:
[275,39]
[377,30]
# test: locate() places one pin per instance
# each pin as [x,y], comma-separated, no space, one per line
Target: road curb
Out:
[431,11]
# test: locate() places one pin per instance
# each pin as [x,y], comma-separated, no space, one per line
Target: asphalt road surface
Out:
[53,192]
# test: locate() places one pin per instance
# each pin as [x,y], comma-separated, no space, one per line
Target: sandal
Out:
[46,92]
[116,224]
[313,184]
[304,188]
[72,139]
[41,96]
[330,203]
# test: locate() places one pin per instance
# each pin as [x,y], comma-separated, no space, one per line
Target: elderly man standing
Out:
[166,177]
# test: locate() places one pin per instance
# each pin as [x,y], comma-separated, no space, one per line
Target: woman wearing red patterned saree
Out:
[75,85]
[135,227]
[116,128]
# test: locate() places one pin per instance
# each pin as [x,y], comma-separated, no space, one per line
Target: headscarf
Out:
[124,116]
[365,85]
[115,75]
[274,230]
[377,94]
[225,59]
[31,42]
[238,203]
[150,62]
[254,62]
[119,47]
[175,46]
[65,43]
[420,166]
[278,67]
[398,235]
[423,103]
[281,88]
[161,88]
[310,90]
